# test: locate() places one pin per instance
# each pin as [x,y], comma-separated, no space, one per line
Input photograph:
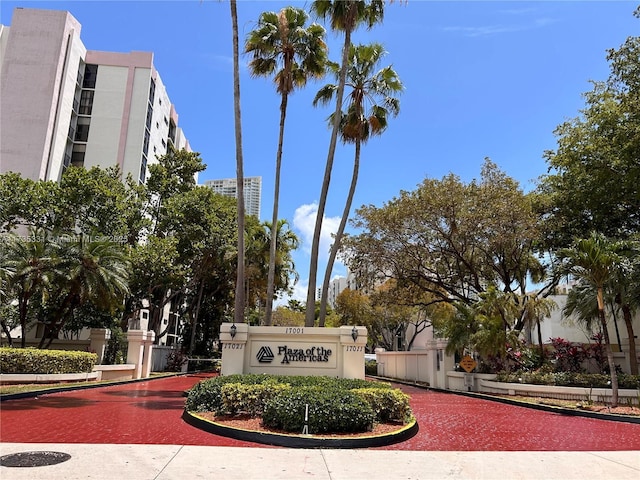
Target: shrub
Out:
[175,361]
[569,379]
[387,404]
[116,351]
[336,404]
[249,398]
[330,411]
[31,360]
[568,356]
[371,367]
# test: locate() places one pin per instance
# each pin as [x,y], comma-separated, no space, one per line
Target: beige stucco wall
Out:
[293,351]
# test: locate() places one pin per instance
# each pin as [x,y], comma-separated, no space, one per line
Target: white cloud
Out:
[487,30]
[304,220]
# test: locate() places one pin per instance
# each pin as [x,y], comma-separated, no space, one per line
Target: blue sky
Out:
[482,79]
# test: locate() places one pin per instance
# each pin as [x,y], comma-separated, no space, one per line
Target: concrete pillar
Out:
[135,350]
[353,350]
[233,337]
[99,338]
[147,355]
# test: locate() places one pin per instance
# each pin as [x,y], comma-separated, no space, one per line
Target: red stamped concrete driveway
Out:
[150,412]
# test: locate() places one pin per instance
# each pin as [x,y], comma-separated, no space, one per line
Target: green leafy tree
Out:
[281,46]
[344,16]
[258,261]
[592,184]
[370,102]
[26,203]
[594,260]
[451,240]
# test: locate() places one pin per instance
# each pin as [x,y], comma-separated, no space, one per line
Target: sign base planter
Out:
[301,441]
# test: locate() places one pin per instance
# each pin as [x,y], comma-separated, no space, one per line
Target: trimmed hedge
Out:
[335,404]
[206,396]
[251,399]
[35,361]
[570,379]
[330,411]
[389,405]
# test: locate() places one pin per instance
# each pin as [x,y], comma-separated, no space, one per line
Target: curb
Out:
[535,406]
[300,441]
[37,393]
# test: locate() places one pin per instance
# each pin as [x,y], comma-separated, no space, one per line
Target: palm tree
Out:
[627,296]
[28,272]
[344,16]
[282,47]
[86,271]
[369,103]
[238,314]
[594,260]
[535,309]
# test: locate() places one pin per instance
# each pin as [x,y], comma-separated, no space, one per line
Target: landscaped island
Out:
[301,405]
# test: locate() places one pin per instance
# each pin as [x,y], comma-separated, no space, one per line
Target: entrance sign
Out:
[321,355]
[335,352]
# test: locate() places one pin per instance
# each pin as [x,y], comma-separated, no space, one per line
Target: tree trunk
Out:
[238,314]
[338,238]
[192,340]
[540,342]
[612,366]
[7,332]
[315,245]
[628,321]
[274,218]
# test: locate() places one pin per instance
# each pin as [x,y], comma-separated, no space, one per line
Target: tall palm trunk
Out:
[274,219]
[238,314]
[612,366]
[628,321]
[338,238]
[540,342]
[194,325]
[315,245]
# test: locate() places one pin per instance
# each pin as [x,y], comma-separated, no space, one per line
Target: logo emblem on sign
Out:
[265,355]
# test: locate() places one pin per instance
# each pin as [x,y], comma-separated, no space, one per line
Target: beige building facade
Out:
[65,105]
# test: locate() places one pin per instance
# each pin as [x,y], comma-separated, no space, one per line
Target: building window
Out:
[77,159]
[145,145]
[86,102]
[143,169]
[172,132]
[149,116]
[90,75]
[152,91]
[82,133]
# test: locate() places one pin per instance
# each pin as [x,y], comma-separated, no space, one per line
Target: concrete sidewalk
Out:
[177,462]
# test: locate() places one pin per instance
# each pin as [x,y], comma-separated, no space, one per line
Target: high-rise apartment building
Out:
[252,192]
[65,105]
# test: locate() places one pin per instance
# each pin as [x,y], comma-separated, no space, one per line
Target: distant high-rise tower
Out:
[64,105]
[252,192]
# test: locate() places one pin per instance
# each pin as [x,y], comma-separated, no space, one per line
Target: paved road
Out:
[134,431]
[150,413]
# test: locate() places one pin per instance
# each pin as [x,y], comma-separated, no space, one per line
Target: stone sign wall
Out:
[334,352]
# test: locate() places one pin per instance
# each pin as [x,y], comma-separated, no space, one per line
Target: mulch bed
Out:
[246,422]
